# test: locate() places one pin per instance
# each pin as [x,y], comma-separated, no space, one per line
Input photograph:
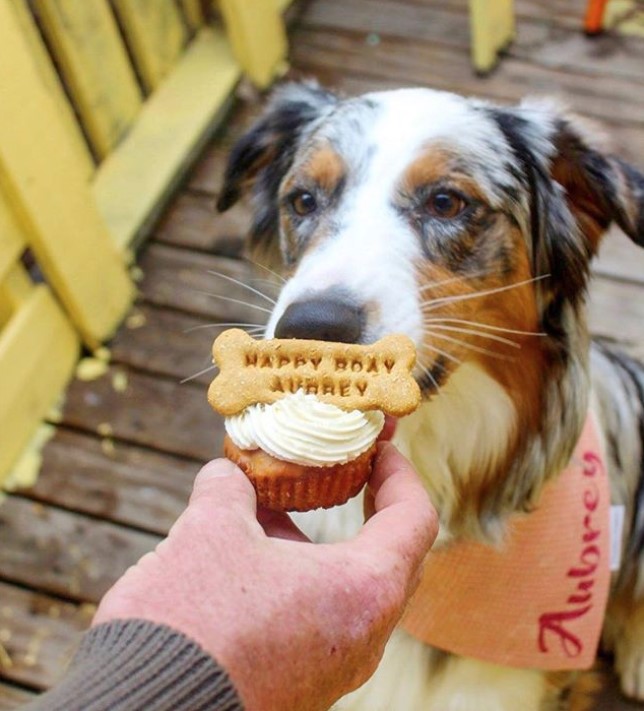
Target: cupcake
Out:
[302,417]
[301,453]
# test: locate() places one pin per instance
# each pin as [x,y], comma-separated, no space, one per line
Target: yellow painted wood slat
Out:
[15,288]
[193,13]
[12,242]
[156,35]
[38,351]
[94,62]
[46,187]
[491,29]
[258,37]
[176,121]
[52,83]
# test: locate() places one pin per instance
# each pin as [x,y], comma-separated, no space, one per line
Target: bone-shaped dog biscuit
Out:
[376,376]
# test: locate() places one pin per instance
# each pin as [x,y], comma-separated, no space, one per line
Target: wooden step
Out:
[65,553]
[152,412]
[40,635]
[333,56]
[171,343]
[118,482]
[183,280]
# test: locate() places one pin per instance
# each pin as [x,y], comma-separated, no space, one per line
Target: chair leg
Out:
[594,20]
[491,29]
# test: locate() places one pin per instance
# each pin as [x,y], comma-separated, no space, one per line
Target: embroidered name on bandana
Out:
[538,600]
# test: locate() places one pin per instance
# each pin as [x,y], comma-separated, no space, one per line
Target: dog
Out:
[470,228]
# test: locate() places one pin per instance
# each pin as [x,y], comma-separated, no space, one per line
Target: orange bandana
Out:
[538,600]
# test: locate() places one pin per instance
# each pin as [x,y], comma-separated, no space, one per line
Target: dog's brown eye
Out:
[303,203]
[445,204]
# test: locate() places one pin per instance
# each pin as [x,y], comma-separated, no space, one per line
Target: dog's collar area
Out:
[538,600]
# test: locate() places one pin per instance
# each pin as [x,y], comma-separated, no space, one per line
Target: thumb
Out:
[222,483]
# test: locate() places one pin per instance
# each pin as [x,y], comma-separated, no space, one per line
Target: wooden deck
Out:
[119,469]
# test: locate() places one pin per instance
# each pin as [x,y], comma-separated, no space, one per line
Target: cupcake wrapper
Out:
[302,488]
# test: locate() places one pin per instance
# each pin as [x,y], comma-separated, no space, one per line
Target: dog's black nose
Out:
[321,319]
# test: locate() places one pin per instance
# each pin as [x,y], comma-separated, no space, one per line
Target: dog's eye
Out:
[445,204]
[303,203]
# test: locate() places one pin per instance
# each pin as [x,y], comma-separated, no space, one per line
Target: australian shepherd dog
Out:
[470,228]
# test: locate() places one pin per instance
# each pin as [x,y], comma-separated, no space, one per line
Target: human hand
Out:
[295,624]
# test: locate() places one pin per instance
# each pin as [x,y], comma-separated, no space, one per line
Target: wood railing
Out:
[104,105]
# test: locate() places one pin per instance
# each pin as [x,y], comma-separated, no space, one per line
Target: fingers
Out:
[222,483]
[405,523]
[279,525]
[388,429]
[368,503]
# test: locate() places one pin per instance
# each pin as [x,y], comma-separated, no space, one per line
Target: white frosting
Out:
[300,428]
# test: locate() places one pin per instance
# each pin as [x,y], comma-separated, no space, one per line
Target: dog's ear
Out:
[577,189]
[600,187]
[263,156]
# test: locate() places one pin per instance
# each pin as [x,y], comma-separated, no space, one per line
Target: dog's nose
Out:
[321,319]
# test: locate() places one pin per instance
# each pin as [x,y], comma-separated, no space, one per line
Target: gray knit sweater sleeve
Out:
[134,665]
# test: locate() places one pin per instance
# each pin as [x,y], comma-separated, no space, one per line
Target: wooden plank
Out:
[620,258]
[208,172]
[38,350]
[540,41]
[15,290]
[12,241]
[47,188]
[334,56]
[13,697]
[193,222]
[207,176]
[113,481]
[422,21]
[94,63]
[39,634]
[52,81]
[156,35]
[566,13]
[193,14]
[152,412]
[616,310]
[258,37]
[169,343]
[65,553]
[608,54]
[179,279]
[133,183]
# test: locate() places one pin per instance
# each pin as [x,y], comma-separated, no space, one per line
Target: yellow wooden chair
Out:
[492,30]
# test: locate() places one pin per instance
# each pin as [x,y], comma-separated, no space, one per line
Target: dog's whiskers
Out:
[427,372]
[259,293]
[487,326]
[451,280]
[270,271]
[196,375]
[250,327]
[441,352]
[268,282]
[475,332]
[235,301]
[433,303]
[464,344]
